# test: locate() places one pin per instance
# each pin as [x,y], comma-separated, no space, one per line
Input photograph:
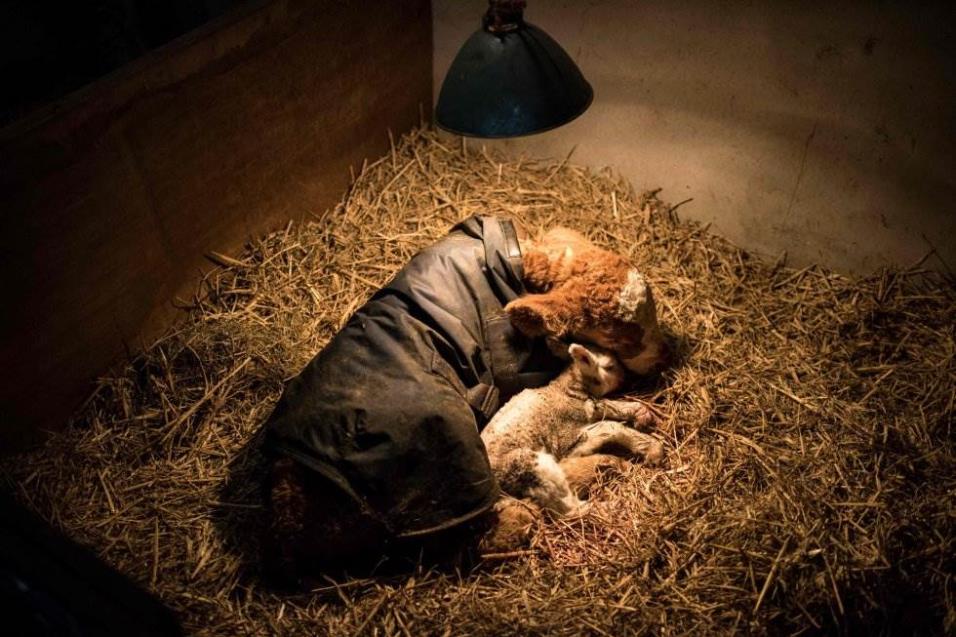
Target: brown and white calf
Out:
[588,294]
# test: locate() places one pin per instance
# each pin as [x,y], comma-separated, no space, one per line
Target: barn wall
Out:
[110,199]
[823,129]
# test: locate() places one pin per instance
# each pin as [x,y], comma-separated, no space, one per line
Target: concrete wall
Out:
[824,129]
[110,199]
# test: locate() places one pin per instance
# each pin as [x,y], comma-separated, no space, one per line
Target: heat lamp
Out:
[510,78]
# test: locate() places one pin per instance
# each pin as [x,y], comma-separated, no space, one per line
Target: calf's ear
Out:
[565,237]
[545,314]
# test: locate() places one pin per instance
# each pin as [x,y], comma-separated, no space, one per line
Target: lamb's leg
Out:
[627,411]
[513,523]
[582,471]
[608,436]
[523,473]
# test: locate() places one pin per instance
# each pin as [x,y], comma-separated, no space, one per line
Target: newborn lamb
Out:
[565,419]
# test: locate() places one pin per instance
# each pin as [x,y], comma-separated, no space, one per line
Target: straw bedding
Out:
[809,486]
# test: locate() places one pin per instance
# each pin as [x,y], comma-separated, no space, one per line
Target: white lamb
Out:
[567,418]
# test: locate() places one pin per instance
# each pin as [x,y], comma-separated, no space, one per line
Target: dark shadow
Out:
[52,48]
[680,347]
[242,518]
[50,585]
[241,515]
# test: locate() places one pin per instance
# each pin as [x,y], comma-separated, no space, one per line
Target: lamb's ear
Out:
[545,314]
[581,355]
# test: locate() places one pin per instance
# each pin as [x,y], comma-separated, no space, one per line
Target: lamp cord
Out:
[504,15]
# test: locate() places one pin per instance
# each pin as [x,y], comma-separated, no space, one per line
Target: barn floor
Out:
[810,483]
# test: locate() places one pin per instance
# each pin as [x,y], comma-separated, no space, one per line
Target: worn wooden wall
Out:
[110,199]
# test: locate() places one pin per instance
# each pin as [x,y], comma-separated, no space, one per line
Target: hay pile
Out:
[810,483]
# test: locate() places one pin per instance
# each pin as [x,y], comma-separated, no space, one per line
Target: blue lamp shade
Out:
[509,79]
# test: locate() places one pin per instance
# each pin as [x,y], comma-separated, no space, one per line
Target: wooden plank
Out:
[111,198]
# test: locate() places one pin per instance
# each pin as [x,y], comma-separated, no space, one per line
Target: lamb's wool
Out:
[540,426]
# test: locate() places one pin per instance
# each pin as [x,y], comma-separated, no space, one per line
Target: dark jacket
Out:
[391,409]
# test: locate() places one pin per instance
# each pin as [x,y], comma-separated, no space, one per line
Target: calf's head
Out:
[585,293]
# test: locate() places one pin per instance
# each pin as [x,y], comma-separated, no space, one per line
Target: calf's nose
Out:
[653,357]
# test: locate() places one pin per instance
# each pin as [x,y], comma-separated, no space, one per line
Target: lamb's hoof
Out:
[580,509]
[515,520]
[646,419]
[654,455]
[570,506]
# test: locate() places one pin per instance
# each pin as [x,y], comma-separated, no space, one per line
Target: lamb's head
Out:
[599,371]
[588,294]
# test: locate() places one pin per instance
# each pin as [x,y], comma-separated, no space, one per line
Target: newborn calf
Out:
[538,427]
